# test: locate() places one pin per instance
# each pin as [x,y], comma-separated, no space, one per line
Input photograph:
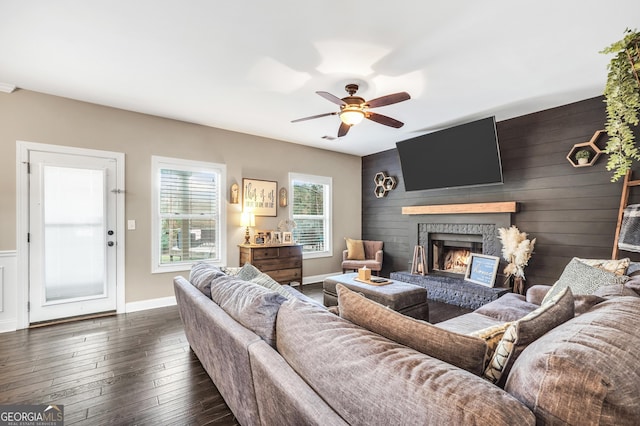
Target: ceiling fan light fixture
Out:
[351,115]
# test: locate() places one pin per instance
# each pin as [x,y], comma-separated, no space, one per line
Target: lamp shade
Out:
[351,115]
[247,219]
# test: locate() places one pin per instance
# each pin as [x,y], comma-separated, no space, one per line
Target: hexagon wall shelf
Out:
[384,184]
[589,146]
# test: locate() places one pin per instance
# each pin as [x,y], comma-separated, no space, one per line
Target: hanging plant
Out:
[622,96]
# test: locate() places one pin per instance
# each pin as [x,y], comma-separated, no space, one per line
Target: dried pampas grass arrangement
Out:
[516,249]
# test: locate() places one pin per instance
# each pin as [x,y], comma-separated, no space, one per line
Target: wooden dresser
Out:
[283,263]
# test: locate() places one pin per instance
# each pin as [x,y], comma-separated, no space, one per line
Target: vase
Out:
[518,285]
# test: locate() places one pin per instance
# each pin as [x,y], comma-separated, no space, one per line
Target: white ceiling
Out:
[252,66]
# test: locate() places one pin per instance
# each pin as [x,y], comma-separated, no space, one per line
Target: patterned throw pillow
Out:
[266,281]
[463,351]
[202,274]
[618,267]
[248,272]
[355,249]
[583,279]
[492,335]
[253,306]
[526,330]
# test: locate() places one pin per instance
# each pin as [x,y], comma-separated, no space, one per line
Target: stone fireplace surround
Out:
[452,289]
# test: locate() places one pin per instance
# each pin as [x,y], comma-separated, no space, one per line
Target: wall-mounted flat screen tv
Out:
[464,155]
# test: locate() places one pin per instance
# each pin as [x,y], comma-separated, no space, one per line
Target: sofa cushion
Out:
[614,290]
[201,275]
[583,279]
[370,380]
[509,307]
[584,372]
[634,284]
[461,350]
[251,305]
[526,330]
[615,266]
[355,249]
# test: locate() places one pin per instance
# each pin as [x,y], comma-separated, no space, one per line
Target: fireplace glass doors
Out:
[450,253]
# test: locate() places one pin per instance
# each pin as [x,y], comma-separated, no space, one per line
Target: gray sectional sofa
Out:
[279,358]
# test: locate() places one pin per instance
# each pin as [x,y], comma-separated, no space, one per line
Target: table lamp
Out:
[247,219]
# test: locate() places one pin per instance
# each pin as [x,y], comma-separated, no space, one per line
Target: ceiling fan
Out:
[354,108]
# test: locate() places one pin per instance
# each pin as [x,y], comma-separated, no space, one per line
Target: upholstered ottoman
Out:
[408,299]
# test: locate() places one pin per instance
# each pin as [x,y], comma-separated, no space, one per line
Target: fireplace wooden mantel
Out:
[499,207]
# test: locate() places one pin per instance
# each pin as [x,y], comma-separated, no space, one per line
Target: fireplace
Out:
[449,233]
[449,253]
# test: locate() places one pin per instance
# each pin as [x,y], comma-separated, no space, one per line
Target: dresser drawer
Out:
[266,253]
[285,276]
[290,251]
[283,263]
[266,265]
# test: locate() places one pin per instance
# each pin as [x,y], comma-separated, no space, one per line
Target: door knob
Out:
[109,232]
[110,243]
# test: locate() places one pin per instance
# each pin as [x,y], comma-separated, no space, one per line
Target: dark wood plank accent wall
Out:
[571,211]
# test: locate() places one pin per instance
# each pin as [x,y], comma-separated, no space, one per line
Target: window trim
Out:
[157,163]
[327,181]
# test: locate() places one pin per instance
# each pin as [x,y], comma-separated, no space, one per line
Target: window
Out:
[311,210]
[188,213]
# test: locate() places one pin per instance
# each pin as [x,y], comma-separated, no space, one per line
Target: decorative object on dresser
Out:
[517,250]
[281,262]
[259,197]
[247,219]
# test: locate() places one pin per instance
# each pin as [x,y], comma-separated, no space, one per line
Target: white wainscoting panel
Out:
[8,291]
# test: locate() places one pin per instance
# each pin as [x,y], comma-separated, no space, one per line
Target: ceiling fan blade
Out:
[332,98]
[383,119]
[313,116]
[343,129]
[388,100]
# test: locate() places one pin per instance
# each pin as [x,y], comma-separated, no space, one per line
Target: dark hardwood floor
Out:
[124,370]
[132,369]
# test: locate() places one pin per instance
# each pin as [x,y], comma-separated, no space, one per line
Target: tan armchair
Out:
[373,255]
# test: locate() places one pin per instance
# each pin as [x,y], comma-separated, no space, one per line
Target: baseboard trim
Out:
[8,326]
[318,278]
[143,305]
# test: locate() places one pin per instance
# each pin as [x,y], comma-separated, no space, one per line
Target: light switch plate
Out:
[131,224]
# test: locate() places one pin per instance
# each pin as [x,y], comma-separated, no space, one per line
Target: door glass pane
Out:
[74,233]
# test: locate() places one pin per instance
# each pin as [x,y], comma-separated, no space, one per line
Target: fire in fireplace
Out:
[450,253]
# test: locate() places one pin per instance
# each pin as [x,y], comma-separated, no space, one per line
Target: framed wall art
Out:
[260,197]
[482,269]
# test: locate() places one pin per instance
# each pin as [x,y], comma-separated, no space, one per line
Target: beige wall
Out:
[35,117]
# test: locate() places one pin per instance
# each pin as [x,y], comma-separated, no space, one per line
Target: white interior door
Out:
[72,235]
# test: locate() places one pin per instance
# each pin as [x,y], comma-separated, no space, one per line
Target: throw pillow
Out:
[583,279]
[355,249]
[253,306]
[616,266]
[492,335]
[526,330]
[267,282]
[230,270]
[202,274]
[466,352]
[248,272]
